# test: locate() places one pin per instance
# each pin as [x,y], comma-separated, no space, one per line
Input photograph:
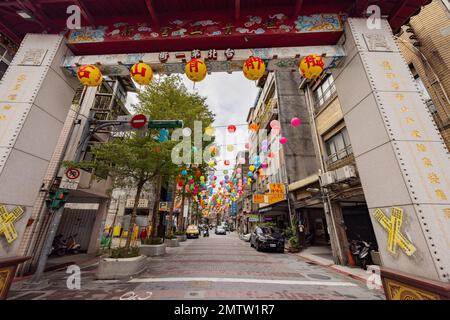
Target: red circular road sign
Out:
[138,121]
[72,173]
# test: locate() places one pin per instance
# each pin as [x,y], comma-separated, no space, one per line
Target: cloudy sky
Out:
[229,96]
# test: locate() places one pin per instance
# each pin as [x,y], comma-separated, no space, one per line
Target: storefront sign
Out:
[258,198]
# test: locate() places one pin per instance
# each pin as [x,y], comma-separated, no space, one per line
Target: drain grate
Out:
[318,276]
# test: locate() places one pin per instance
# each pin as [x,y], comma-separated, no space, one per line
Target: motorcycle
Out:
[58,246]
[206,233]
[361,251]
[71,245]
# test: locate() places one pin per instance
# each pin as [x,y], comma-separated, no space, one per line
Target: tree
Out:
[168,98]
[132,162]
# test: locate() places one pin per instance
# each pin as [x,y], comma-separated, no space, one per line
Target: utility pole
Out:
[56,205]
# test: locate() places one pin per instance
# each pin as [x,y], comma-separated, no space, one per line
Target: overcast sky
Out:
[229,96]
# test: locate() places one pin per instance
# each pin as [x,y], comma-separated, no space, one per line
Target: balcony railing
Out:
[340,155]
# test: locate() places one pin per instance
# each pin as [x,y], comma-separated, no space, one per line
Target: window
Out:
[325,91]
[423,90]
[446,4]
[5,60]
[338,147]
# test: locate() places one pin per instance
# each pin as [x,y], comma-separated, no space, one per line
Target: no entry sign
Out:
[138,121]
[72,173]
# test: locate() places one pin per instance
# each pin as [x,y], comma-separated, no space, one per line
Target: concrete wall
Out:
[299,154]
[35,97]
[398,151]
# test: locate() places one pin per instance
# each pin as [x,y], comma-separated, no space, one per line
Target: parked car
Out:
[267,238]
[192,231]
[220,230]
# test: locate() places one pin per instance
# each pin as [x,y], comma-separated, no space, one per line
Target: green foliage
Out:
[166,98]
[293,242]
[153,241]
[179,233]
[123,252]
[171,236]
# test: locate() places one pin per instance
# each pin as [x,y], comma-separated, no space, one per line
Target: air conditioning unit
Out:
[345,173]
[327,178]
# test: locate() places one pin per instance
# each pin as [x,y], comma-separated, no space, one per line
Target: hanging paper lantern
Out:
[238,170]
[184,173]
[250,174]
[254,126]
[264,165]
[230,147]
[226,162]
[251,168]
[283,140]
[195,70]
[264,146]
[231,128]
[247,145]
[238,175]
[254,68]
[271,155]
[210,131]
[275,124]
[225,171]
[141,73]
[89,75]
[198,173]
[295,122]
[311,66]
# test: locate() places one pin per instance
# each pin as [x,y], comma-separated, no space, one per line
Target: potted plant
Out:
[152,247]
[181,236]
[121,262]
[171,241]
[293,245]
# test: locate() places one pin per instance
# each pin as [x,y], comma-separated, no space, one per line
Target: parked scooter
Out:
[58,246]
[361,251]
[71,245]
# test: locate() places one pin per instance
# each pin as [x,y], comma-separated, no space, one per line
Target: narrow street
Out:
[219,267]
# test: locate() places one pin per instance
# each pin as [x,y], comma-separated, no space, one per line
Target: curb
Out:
[331,267]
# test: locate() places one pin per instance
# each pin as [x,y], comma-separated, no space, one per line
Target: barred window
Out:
[324,91]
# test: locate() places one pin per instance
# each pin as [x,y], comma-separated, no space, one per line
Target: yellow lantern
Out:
[230,147]
[311,66]
[89,75]
[195,70]
[254,68]
[141,73]
[210,131]
[251,168]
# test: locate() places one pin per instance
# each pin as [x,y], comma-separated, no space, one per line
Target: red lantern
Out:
[231,129]
[226,162]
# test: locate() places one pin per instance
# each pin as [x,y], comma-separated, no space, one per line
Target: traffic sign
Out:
[138,121]
[72,173]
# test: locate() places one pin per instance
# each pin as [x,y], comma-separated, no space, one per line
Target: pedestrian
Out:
[144,235]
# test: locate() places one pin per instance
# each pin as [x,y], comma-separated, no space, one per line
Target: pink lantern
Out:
[264,165]
[275,124]
[238,170]
[247,145]
[295,122]
[283,140]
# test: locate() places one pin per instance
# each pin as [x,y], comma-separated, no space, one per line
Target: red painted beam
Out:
[298,8]
[237,10]
[152,11]
[361,7]
[9,33]
[41,18]
[397,10]
[87,16]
